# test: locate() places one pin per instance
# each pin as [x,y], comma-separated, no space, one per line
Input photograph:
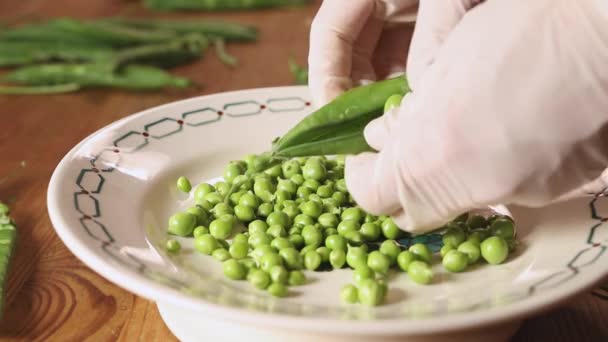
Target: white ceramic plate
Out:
[110,197]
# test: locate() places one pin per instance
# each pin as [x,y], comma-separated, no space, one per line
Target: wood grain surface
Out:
[51,295]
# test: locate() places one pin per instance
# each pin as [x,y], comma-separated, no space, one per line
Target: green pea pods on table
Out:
[215,5]
[14,53]
[227,31]
[337,128]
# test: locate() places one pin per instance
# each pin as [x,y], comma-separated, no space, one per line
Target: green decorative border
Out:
[90,183]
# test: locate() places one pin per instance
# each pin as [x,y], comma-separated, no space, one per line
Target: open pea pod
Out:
[337,128]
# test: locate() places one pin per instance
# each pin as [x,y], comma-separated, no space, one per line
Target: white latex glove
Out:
[509,105]
[356,41]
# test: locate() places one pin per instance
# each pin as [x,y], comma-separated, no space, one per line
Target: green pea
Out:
[281,196]
[471,250]
[213,198]
[378,262]
[277,290]
[222,209]
[291,258]
[316,171]
[370,231]
[303,192]
[263,186]
[236,197]
[244,213]
[221,254]
[311,184]
[453,236]
[239,250]
[341,185]
[391,249]
[275,171]
[249,263]
[278,218]
[291,211]
[325,191]
[205,205]
[503,228]
[324,253]
[334,242]
[243,183]
[265,209]
[494,250]
[231,171]
[354,214]
[312,209]
[317,199]
[173,246]
[306,249]
[183,184]
[221,228]
[445,249]
[262,250]
[296,240]
[337,258]
[422,252]
[223,243]
[371,293]
[390,229]
[222,188]
[297,179]
[250,200]
[331,206]
[201,214]
[182,224]
[303,220]
[268,260]
[291,168]
[328,220]
[206,244]
[201,190]
[348,225]
[356,257]
[455,261]
[259,239]
[369,218]
[312,260]
[257,226]
[353,237]
[312,235]
[276,230]
[477,237]
[279,274]
[259,279]
[329,232]
[340,198]
[420,272]
[200,230]
[394,101]
[349,294]
[404,259]
[240,237]
[287,186]
[476,221]
[234,270]
[280,243]
[296,278]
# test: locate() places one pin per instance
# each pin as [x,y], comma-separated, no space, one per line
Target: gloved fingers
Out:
[435,21]
[362,71]
[369,179]
[334,32]
[378,130]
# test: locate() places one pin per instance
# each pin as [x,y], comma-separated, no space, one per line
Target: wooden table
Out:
[53,296]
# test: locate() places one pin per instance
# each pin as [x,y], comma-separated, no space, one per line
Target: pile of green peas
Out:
[268,226]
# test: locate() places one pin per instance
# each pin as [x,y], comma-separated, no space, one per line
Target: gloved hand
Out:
[509,105]
[355,41]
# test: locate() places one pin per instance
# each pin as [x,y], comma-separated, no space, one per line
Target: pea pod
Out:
[300,74]
[213,29]
[8,239]
[337,128]
[23,53]
[215,5]
[169,54]
[136,77]
[74,31]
